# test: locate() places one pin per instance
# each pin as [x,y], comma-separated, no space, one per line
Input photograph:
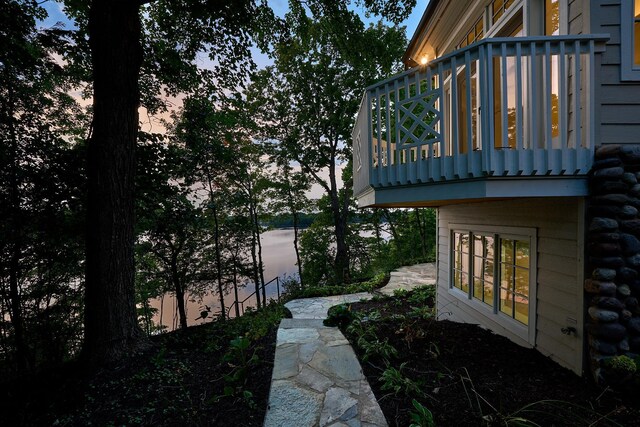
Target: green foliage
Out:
[374,348]
[240,362]
[339,315]
[412,237]
[294,291]
[395,381]
[421,417]
[621,365]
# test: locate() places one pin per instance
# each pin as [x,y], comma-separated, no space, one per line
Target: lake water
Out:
[279,258]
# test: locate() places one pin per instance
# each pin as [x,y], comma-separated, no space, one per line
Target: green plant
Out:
[377,348]
[239,360]
[422,417]
[339,315]
[621,364]
[422,312]
[619,370]
[393,380]
[399,293]
[423,295]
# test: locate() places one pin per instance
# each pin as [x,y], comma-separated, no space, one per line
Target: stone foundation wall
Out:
[613,256]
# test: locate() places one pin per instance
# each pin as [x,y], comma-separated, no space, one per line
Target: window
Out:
[498,8]
[475,33]
[493,271]
[630,40]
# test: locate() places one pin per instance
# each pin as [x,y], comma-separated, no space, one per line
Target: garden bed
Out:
[468,376]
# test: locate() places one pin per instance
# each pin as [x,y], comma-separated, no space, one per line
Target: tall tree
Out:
[308,100]
[36,188]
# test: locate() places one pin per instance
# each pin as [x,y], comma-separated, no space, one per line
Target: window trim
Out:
[628,70]
[525,332]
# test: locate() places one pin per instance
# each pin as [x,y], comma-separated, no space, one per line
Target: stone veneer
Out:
[613,251]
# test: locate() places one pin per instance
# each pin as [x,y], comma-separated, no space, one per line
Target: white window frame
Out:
[628,70]
[525,332]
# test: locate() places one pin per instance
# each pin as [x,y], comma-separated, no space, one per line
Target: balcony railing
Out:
[501,107]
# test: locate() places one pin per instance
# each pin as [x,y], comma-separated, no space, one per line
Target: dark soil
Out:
[180,381]
[468,376]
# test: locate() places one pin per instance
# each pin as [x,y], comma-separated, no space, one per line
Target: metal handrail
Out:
[241,303]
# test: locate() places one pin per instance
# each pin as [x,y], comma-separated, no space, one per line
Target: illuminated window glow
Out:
[493,269]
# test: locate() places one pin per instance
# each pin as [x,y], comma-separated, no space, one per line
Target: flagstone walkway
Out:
[317,380]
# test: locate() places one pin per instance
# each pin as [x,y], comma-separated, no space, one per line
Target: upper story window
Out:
[498,8]
[492,269]
[475,33]
[630,40]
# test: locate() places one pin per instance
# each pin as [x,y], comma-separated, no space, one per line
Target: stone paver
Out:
[317,380]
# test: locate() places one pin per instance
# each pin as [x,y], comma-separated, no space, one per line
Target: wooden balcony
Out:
[503,117]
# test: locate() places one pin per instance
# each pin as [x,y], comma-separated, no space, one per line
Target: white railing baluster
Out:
[533,111]
[469,123]
[563,107]
[548,106]
[443,146]
[454,117]
[518,165]
[577,114]
[387,166]
[490,109]
[378,149]
[396,152]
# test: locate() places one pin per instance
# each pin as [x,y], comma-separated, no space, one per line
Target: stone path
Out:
[317,380]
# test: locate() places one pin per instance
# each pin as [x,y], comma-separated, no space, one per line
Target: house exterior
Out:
[520,121]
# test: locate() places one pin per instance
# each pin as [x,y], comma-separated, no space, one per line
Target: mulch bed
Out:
[471,376]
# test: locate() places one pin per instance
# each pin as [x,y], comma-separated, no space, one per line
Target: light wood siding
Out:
[617,102]
[559,269]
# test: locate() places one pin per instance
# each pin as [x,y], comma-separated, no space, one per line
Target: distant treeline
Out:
[286,221]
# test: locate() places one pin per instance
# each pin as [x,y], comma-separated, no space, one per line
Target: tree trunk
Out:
[223,313]
[111,324]
[341,263]
[294,214]
[254,261]
[235,286]
[295,245]
[256,223]
[423,232]
[178,288]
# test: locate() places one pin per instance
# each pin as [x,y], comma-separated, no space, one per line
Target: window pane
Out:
[465,282]
[477,267]
[488,270]
[488,293]
[507,251]
[465,263]
[522,310]
[489,246]
[522,281]
[477,288]
[477,245]
[522,254]
[506,276]
[506,302]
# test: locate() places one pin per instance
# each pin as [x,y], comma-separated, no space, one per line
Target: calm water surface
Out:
[279,259]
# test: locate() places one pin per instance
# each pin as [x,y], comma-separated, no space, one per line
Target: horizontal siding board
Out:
[558,264]
[554,246]
[621,114]
[615,95]
[620,134]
